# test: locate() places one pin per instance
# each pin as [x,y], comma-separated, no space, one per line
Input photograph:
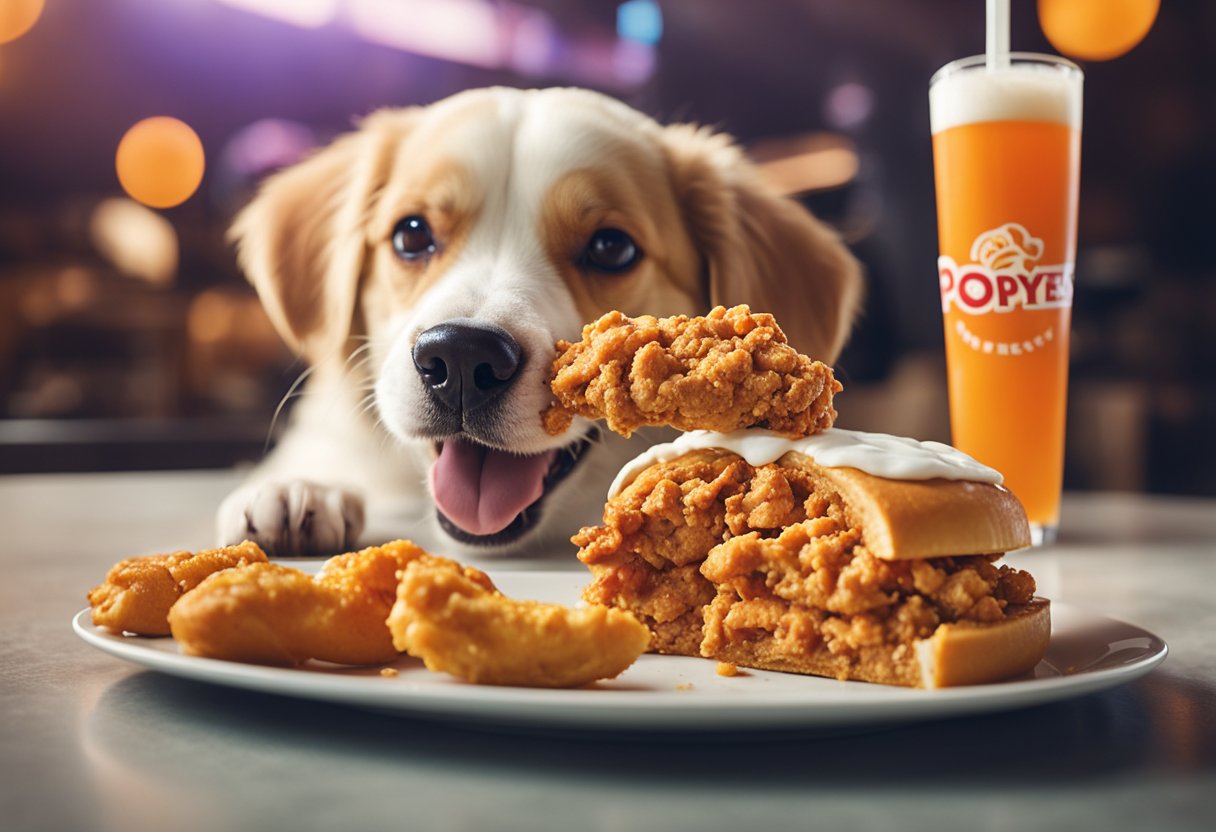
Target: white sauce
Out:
[880,454]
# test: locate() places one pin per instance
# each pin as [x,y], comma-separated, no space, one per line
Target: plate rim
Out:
[598,709]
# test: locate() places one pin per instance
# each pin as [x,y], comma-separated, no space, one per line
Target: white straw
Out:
[997,34]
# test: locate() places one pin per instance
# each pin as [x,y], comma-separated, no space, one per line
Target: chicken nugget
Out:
[273,614]
[454,619]
[138,592]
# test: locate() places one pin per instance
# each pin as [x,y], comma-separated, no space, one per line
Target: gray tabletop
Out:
[90,742]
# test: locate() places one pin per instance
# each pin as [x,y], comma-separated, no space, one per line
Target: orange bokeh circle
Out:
[1096,30]
[17,17]
[160,162]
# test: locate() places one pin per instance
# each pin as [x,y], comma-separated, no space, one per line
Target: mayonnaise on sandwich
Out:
[879,454]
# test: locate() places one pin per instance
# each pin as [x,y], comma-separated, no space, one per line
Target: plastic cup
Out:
[1006,154]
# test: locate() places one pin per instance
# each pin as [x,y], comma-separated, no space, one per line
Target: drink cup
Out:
[1006,155]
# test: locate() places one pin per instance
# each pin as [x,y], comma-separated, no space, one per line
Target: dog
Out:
[424,265]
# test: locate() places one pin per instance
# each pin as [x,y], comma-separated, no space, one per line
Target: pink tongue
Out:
[482,490]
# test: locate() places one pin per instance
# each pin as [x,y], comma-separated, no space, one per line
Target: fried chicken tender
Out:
[138,592]
[272,614]
[731,369]
[454,619]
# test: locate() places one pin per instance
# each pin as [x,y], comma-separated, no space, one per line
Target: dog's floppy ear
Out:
[303,239]
[761,248]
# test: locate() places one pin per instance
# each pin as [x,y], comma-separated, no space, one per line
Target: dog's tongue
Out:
[481,489]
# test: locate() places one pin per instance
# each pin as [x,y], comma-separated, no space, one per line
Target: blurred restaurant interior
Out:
[130,341]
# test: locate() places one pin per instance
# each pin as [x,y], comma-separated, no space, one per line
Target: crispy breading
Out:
[727,370]
[646,556]
[273,614]
[454,619]
[823,587]
[138,592]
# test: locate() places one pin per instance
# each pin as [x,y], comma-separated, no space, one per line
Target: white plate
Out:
[672,693]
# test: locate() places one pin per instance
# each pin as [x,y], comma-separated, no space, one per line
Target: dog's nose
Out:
[466,363]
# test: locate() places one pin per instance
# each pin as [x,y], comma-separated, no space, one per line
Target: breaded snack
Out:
[454,619]
[272,614]
[800,567]
[138,592]
[730,369]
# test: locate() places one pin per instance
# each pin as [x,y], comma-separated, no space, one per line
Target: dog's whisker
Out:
[291,393]
[652,434]
[357,360]
[366,405]
[364,347]
[388,442]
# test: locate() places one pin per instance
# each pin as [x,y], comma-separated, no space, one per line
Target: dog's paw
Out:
[292,519]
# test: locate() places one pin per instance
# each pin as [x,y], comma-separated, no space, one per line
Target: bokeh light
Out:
[17,17]
[1096,30]
[212,316]
[310,14]
[160,162]
[640,20]
[848,105]
[138,242]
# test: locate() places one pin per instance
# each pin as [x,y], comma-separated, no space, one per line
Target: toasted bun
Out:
[968,653]
[912,519]
[964,653]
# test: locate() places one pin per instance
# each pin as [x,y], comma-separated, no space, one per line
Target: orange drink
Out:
[1006,154]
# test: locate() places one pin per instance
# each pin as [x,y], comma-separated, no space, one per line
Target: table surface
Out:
[91,742]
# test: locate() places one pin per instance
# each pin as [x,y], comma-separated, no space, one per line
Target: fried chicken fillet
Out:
[272,614]
[454,619]
[728,370]
[138,592]
[797,567]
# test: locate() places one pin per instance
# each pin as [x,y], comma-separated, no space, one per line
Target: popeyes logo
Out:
[1004,275]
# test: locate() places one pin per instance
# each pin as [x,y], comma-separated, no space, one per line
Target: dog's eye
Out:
[412,238]
[611,250]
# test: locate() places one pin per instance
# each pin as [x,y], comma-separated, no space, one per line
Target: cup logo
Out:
[1008,248]
[1004,275]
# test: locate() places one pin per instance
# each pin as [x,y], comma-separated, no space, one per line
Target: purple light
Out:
[632,61]
[309,14]
[267,145]
[534,44]
[491,34]
[848,105]
[465,31]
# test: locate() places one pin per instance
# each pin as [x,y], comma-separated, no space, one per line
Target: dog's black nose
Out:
[466,363]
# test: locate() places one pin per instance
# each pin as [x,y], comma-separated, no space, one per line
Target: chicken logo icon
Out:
[1004,275]
[1008,248]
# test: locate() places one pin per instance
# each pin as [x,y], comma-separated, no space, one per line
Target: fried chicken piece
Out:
[646,556]
[138,592]
[272,614]
[731,369]
[454,619]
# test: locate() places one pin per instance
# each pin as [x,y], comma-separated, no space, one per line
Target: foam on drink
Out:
[966,92]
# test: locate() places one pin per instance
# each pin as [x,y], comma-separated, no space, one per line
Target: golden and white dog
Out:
[425,264]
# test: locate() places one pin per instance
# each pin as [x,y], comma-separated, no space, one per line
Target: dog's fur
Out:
[513,183]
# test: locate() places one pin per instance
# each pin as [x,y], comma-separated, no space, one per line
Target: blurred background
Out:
[128,339]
